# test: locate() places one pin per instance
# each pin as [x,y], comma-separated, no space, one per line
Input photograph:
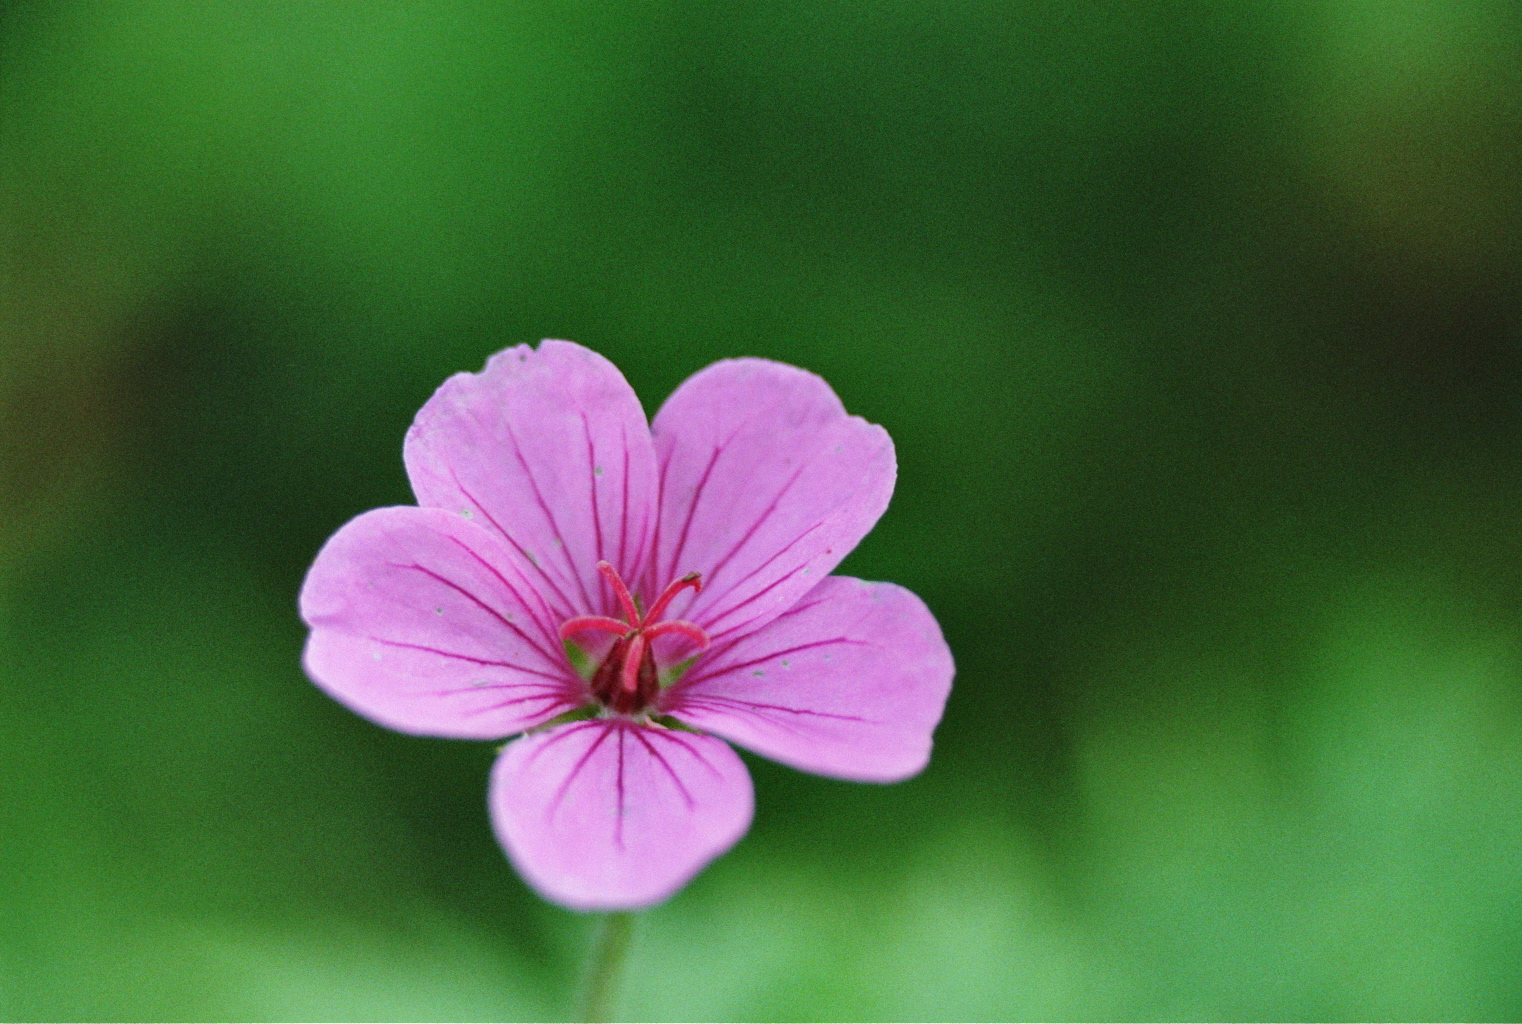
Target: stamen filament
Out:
[628,681]
[690,630]
[632,657]
[570,627]
[622,592]
[692,579]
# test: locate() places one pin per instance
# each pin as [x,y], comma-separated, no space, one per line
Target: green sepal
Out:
[673,724]
[670,676]
[579,659]
[580,714]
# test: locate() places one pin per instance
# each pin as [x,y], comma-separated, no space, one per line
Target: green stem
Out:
[606,966]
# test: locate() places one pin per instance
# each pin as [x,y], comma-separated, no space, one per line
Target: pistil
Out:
[627,680]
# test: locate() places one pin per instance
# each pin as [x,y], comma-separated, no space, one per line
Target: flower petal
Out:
[421,622]
[849,683]
[766,484]
[550,449]
[609,815]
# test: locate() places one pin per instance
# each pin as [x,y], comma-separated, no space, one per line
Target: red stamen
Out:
[628,680]
[570,627]
[631,611]
[690,630]
[632,657]
[692,579]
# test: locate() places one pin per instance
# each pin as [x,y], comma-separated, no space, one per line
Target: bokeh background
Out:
[1199,331]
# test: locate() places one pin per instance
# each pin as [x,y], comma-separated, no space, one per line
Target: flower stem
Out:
[605,967]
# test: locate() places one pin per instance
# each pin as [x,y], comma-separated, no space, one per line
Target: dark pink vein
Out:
[466,593]
[586,429]
[618,819]
[533,484]
[795,570]
[735,638]
[576,770]
[718,702]
[518,596]
[566,605]
[556,736]
[745,626]
[651,568]
[750,533]
[516,700]
[801,608]
[637,545]
[686,745]
[623,522]
[639,734]
[792,726]
[692,510]
[795,610]
[538,689]
[767,714]
[713,631]
[712,670]
[465,657]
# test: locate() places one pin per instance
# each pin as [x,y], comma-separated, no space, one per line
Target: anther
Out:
[692,579]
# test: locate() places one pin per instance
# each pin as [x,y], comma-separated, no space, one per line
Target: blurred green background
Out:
[1199,331]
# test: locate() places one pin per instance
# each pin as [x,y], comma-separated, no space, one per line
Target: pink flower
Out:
[665,585]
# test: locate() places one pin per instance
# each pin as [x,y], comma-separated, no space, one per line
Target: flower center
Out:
[627,680]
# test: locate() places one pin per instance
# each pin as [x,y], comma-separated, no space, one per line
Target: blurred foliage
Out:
[1197,329]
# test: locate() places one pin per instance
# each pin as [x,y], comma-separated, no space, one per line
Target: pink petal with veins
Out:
[851,683]
[421,622]
[766,485]
[549,448]
[605,814]
[544,492]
